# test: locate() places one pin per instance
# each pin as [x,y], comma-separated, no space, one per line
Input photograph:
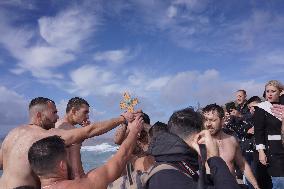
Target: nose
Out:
[208,124]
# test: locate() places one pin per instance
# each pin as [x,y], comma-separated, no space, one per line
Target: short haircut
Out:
[146,118]
[214,107]
[243,91]
[76,103]
[44,155]
[39,101]
[230,105]
[24,187]
[185,122]
[158,127]
[253,99]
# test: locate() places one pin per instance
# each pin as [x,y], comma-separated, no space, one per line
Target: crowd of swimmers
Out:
[237,145]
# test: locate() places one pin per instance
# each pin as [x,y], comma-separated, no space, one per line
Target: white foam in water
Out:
[104,147]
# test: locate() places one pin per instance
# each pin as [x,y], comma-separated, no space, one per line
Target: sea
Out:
[95,152]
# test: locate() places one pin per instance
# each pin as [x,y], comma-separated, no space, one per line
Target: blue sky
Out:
[169,54]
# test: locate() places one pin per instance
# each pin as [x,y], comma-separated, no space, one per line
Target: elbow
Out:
[117,140]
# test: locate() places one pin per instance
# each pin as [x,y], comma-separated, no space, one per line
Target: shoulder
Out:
[75,184]
[15,132]
[231,139]
[61,124]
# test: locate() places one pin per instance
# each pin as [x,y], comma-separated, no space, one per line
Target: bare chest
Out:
[227,150]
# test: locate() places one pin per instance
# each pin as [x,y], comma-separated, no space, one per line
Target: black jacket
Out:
[169,148]
[265,125]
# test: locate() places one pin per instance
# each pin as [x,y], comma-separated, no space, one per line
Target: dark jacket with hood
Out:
[169,148]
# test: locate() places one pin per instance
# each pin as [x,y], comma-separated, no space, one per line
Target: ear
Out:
[38,115]
[73,110]
[62,164]
[222,121]
[63,167]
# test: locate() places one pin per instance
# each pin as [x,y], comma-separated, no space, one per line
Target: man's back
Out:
[73,152]
[16,168]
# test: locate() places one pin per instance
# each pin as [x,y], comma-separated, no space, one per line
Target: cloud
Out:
[14,109]
[203,26]
[112,57]
[68,29]
[172,11]
[18,4]
[189,87]
[90,79]
[56,44]
[268,64]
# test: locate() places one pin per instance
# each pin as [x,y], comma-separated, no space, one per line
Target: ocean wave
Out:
[104,147]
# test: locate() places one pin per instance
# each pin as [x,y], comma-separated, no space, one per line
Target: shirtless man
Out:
[228,146]
[43,115]
[77,112]
[48,160]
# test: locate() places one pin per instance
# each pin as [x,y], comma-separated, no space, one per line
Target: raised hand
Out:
[129,116]
[85,123]
[204,137]
[136,126]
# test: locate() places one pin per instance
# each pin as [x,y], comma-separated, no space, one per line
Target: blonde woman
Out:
[268,134]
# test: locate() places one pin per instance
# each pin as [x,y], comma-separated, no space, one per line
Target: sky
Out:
[168,54]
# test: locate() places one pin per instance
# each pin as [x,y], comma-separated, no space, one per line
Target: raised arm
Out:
[120,134]
[109,172]
[79,134]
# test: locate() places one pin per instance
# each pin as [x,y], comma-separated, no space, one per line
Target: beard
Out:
[214,131]
[48,124]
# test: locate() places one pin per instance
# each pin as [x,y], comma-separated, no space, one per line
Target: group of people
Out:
[213,147]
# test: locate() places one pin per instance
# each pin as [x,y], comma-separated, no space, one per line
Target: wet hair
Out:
[157,127]
[76,103]
[146,118]
[24,187]
[39,101]
[185,122]
[253,99]
[214,107]
[44,155]
[243,91]
[230,105]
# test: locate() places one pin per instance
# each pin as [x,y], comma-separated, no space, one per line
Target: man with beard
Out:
[179,148]
[42,118]
[241,102]
[228,146]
